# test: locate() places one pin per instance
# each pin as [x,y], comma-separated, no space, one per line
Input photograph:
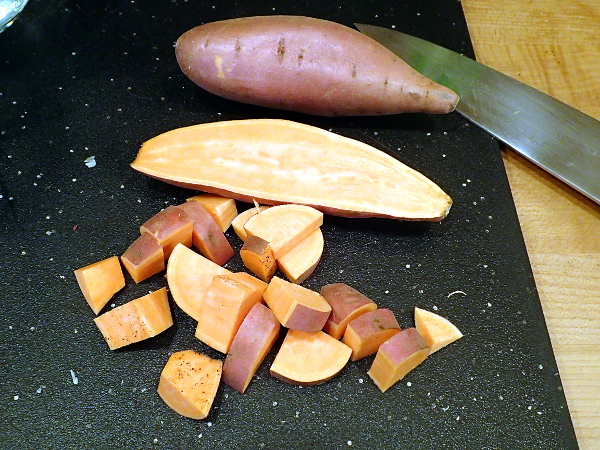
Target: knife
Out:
[558,138]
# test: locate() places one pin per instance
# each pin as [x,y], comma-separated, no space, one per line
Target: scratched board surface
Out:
[82,85]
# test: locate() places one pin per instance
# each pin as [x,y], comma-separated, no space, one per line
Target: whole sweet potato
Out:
[308,65]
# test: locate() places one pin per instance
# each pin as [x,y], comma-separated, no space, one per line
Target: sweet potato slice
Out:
[225,305]
[251,343]
[222,209]
[368,331]
[307,359]
[346,305]
[100,281]
[189,382]
[397,356]
[144,257]
[238,223]
[284,226]
[207,237]
[189,274]
[436,330]
[296,307]
[259,258]
[300,261]
[170,227]
[136,320]
[234,158]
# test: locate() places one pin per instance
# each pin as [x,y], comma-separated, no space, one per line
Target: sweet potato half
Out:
[277,161]
[305,64]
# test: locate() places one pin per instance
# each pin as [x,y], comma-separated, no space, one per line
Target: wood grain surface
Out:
[555,47]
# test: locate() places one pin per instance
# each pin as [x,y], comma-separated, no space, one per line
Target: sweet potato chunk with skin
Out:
[243,217]
[284,226]
[100,281]
[253,340]
[368,331]
[296,307]
[346,305]
[300,261]
[307,359]
[222,209]
[226,303]
[144,257]
[397,356]
[170,227]
[189,274]
[258,257]
[207,237]
[137,320]
[436,330]
[189,382]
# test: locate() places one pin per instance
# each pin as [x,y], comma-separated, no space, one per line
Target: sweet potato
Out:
[226,303]
[170,227]
[396,357]
[100,281]
[189,274]
[284,226]
[305,64]
[144,257]
[368,331]
[277,161]
[222,209]
[346,305]
[136,320]
[307,359]
[435,329]
[189,382]
[296,307]
[251,343]
[300,261]
[207,237]
[258,257]
[243,217]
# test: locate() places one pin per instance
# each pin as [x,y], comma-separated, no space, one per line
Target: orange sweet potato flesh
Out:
[144,257]
[100,281]
[277,161]
[189,383]
[240,220]
[368,331]
[299,262]
[223,210]
[136,320]
[304,64]
[258,257]
[346,305]
[170,227]
[307,359]
[251,343]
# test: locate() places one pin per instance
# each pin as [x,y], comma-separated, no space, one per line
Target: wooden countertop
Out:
[555,47]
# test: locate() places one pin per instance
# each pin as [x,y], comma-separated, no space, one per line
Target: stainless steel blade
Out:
[553,135]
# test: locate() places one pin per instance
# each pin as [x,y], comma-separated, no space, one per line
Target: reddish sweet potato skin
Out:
[305,64]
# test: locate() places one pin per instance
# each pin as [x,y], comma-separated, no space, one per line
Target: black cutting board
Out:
[87,78]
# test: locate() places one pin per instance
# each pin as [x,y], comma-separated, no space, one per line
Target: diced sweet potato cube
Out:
[296,307]
[136,320]
[346,305]
[251,343]
[222,209]
[436,330]
[189,383]
[144,257]
[226,304]
[397,356]
[170,227]
[206,234]
[189,274]
[240,220]
[307,359]
[368,331]
[258,257]
[100,281]
[284,226]
[300,261]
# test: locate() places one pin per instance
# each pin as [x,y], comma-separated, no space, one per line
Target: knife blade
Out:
[558,138]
